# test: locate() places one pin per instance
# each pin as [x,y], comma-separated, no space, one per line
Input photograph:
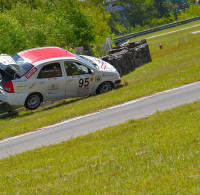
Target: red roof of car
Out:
[44,53]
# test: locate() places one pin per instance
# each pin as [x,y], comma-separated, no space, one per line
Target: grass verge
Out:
[176,64]
[152,155]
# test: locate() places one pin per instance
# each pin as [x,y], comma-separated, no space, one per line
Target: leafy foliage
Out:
[98,16]
[69,24]
[192,12]
[11,37]
[60,23]
[143,14]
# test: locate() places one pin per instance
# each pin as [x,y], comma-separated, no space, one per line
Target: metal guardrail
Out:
[120,40]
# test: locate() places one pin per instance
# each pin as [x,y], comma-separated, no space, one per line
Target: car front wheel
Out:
[33,101]
[104,87]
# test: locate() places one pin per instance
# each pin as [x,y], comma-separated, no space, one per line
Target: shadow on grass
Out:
[64,102]
[44,107]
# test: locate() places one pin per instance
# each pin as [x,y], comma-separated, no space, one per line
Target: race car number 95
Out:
[83,82]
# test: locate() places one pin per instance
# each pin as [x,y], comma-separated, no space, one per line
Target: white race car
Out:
[52,73]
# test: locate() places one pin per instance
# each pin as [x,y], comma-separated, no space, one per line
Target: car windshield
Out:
[24,66]
[86,61]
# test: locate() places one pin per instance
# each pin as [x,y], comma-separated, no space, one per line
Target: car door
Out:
[51,82]
[80,79]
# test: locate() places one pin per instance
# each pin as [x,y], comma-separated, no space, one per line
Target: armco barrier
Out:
[122,39]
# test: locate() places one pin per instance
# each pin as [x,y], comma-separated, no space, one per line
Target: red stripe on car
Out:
[36,55]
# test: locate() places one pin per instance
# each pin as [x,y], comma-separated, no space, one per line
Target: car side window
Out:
[75,68]
[50,70]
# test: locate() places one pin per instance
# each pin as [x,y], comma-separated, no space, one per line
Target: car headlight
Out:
[117,76]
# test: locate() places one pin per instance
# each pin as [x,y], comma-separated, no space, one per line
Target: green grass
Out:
[152,155]
[178,63]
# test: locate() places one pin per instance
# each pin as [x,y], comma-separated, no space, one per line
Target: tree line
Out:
[143,14]
[68,24]
[64,23]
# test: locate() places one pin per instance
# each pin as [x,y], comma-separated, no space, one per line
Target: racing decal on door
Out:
[84,84]
[75,76]
[52,93]
[98,78]
[31,72]
[53,78]
[53,86]
[32,85]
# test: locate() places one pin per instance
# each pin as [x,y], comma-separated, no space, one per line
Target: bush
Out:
[193,11]
[11,37]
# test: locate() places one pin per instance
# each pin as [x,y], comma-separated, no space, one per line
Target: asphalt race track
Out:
[108,117]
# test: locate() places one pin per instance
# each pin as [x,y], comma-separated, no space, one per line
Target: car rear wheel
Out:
[104,87]
[33,101]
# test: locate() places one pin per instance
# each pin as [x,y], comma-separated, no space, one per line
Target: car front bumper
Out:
[117,82]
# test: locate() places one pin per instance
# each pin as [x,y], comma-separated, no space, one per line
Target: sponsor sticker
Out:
[76,76]
[83,88]
[52,93]
[22,86]
[31,72]
[98,78]
[103,66]
[32,86]
[53,87]
[53,78]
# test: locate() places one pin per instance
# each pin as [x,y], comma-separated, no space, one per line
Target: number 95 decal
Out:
[83,82]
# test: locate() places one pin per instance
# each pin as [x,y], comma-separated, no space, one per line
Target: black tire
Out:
[33,101]
[104,87]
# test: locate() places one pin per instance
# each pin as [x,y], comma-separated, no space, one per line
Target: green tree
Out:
[99,17]
[11,38]
[59,23]
[161,8]
[70,25]
[31,23]
[9,4]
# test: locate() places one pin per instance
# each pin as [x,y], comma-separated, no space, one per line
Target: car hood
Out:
[102,65]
